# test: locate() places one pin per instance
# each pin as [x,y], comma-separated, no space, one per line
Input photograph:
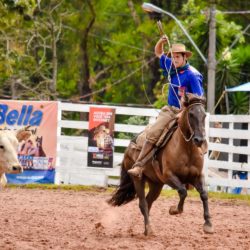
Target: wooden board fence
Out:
[72,150]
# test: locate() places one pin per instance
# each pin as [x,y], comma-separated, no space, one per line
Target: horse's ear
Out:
[186,96]
[204,100]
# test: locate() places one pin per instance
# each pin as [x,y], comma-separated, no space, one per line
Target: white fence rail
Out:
[72,150]
[234,151]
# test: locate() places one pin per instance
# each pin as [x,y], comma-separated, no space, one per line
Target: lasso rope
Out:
[163,34]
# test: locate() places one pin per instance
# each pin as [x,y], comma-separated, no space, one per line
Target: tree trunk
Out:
[13,88]
[84,84]
[54,65]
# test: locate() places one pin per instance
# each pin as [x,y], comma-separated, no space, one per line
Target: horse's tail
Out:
[125,192]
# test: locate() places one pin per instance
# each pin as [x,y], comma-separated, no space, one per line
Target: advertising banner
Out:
[37,155]
[101,137]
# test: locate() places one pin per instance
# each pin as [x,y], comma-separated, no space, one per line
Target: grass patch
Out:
[114,177]
[169,193]
[227,196]
[211,195]
[58,187]
[164,193]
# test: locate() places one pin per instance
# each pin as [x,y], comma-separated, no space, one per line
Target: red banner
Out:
[101,137]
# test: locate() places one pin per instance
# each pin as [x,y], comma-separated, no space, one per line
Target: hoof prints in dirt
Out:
[52,219]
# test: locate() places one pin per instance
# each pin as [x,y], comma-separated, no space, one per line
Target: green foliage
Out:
[198,28]
[228,68]
[226,32]
[137,120]
[119,39]
[233,72]
[160,92]
[133,120]
[227,74]
[242,54]
[239,103]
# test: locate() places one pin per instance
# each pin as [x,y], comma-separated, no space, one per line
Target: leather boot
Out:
[137,168]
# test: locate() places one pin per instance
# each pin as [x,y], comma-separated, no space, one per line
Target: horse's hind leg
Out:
[143,205]
[175,183]
[199,184]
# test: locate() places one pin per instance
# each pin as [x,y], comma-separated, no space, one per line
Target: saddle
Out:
[162,141]
[137,144]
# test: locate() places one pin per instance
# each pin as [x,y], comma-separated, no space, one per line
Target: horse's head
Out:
[192,120]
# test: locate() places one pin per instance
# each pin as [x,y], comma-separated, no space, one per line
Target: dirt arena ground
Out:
[59,219]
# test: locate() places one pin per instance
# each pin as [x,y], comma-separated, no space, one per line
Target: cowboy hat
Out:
[179,48]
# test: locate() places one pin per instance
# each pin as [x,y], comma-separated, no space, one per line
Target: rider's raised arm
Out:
[159,47]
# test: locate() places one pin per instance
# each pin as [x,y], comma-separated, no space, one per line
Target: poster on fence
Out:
[101,137]
[37,154]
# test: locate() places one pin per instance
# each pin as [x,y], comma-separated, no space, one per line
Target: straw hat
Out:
[179,48]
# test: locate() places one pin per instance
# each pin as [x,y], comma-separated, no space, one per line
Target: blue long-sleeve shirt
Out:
[190,81]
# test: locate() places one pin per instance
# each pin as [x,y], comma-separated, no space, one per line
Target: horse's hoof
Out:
[173,210]
[148,230]
[208,228]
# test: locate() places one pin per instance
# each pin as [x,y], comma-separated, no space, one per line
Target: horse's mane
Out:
[189,99]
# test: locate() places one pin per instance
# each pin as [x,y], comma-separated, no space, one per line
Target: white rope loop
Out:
[168,71]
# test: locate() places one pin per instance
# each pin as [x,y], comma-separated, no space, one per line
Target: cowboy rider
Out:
[183,78]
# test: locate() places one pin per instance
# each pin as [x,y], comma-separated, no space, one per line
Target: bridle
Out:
[187,109]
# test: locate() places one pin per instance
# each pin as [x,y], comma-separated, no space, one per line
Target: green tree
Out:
[227,72]
[239,103]
[102,51]
[14,61]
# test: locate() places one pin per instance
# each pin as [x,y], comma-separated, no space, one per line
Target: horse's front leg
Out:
[200,187]
[153,193]
[175,183]
[143,205]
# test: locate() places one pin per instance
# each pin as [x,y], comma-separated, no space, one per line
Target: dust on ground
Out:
[59,219]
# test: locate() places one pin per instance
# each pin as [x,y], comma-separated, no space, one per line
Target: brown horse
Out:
[177,164]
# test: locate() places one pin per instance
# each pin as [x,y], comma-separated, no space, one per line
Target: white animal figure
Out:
[8,152]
